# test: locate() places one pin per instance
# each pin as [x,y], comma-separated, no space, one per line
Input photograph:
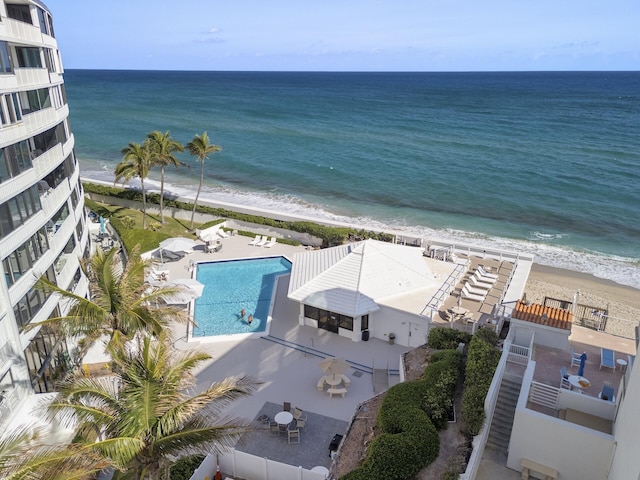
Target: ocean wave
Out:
[546,236]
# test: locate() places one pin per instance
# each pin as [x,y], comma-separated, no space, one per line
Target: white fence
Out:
[242,465]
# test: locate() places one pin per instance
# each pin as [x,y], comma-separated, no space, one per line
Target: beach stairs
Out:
[502,423]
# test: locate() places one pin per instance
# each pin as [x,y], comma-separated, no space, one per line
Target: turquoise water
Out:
[231,286]
[546,163]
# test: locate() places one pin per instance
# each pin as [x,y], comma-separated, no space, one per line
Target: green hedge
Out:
[408,418]
[482,360]
[447,338]
[330,235]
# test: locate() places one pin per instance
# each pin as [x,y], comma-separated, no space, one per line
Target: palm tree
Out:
[23,456]
[120,304]
[146,413]
[163,149]
[135,164]
[201,149]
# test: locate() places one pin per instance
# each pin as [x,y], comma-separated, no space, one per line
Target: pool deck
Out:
[289,372]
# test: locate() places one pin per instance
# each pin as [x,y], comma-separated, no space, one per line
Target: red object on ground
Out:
[218,475]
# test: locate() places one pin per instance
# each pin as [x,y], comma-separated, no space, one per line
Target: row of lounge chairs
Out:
[478,285]
[263,241]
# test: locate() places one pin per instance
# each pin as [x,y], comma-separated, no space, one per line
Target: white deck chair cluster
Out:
[263,241]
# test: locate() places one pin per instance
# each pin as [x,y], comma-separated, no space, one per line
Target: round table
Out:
[283,418]
[575,381]
[333,380]
[622,364]
[321,469]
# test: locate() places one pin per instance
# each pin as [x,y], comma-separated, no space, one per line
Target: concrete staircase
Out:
[500,432]
[380,380]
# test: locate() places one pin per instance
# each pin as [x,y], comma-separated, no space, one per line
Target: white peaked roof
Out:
[351,279]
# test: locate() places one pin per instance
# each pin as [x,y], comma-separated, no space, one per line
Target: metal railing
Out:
[544,395]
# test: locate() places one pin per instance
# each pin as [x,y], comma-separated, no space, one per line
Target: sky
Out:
[348,35]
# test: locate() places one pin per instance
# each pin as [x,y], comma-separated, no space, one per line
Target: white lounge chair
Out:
[473,281]
[483,273]
[222,233]
[262,241]
[255,240]
[272,241]
[471,296]
[476,291]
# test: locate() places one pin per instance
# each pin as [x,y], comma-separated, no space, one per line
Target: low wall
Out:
[242,465]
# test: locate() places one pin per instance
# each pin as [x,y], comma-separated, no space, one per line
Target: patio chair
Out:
[564,379]
[471,296]
[483,273]
[607,359]
[274,428]
[272,241]
[575,358]
[607,393]
[262,241]
[255,240]
[293,436]
[286,406]
[298,415]
[301,423]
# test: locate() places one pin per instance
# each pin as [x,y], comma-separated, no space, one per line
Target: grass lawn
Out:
[128,224]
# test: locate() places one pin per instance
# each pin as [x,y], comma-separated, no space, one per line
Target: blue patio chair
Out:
[575,358]
[607,393]
[564,379]
[607,358]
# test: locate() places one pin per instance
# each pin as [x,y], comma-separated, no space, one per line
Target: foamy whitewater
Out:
[543,163]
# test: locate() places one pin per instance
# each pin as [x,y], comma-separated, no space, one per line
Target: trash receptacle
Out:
[392,338]
[365,335]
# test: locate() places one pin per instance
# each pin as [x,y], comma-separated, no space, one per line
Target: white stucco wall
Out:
[390,320]
[548,336]
[626,461]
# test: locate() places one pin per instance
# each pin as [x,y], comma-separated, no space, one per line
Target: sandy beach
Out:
[623,302]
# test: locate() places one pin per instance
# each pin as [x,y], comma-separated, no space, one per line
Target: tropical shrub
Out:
[482,360]
[447,338]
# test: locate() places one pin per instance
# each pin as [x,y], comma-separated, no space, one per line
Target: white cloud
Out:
[214,30]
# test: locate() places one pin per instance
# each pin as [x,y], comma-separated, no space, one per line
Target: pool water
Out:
[230,287]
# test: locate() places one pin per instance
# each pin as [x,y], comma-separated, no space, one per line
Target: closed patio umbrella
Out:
[583,360]
[334,366]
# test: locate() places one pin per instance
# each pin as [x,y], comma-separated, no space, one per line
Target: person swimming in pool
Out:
[250,319]
[242,313]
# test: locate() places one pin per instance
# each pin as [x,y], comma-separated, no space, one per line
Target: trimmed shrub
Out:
[488,335]
[183,468]
[440,381]
[447,338]
[482,360]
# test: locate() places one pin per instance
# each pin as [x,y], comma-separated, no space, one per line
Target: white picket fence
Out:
[239,465]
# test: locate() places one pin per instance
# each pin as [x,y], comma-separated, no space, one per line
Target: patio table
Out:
[283,418]
[579,382]
[333,380]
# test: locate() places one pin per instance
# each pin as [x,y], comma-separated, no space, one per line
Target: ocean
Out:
[546,163]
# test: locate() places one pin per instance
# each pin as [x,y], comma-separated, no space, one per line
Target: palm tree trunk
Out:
[144,205]
[161,193]
[195,203]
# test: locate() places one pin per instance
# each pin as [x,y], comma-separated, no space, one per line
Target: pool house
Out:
[369,289]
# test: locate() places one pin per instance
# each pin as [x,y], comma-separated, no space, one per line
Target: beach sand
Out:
[623,302]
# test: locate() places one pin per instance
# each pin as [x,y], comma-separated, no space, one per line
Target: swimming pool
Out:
[230,287]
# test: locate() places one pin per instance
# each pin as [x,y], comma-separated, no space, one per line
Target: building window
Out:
[47,359]
[14,159]
[46,25]
[10,106]
[28,57]
[20,13]
[5,58]
[311,312]
[17,210]
[346,322]
[21,260]
[35,100]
